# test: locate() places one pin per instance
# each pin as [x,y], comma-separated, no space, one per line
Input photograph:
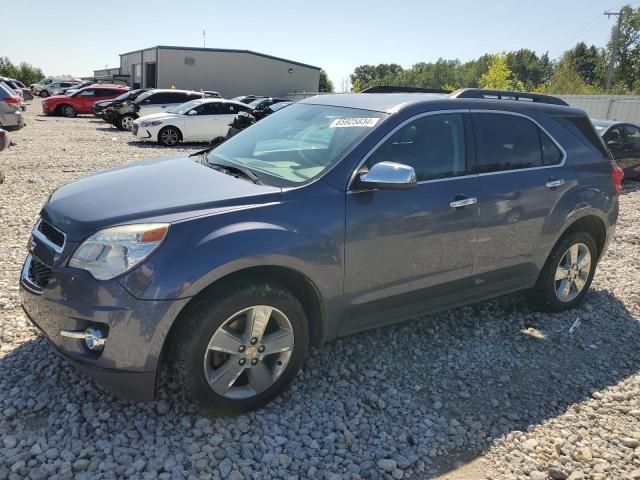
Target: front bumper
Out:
[72,299]
[141,133]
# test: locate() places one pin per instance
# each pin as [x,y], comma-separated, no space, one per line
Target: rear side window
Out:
[506,142]
[433,145]
[511,142]
[632,134]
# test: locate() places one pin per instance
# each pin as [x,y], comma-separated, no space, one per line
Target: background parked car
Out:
[153,101]
[80,102]
[73,89]
[102,105]
[194,121]
[245,119]
[4,143]
[17,87]
[265,102]
[10,113]
[246,98]
[59,87]
[36,88]
[623,141]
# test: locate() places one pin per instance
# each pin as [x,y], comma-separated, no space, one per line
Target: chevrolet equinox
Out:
[336,214]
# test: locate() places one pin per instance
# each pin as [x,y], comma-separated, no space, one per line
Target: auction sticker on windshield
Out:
[354,122]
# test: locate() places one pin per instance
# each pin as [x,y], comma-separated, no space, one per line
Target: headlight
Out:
[113,251]
[155,123]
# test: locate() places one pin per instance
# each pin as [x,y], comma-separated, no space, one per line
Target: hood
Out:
[173,188]
[53,98]
[157,116]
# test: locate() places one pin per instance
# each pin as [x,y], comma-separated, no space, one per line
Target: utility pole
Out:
[204,39]
[614,48]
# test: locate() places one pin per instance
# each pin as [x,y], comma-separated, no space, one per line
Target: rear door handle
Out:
[463,202]
[554,183]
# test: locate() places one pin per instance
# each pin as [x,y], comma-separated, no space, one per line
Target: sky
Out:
[76,38]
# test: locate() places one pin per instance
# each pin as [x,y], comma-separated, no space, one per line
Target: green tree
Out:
[326,85]
[499,76]
[589,62]
[25,72]
[567,79]
[526,66]
[369,75]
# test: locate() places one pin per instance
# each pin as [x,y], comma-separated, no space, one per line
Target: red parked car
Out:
[81,101]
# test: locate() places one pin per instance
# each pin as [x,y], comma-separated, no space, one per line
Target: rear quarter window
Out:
[582,129]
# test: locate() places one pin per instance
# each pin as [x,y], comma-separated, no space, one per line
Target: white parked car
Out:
[196,121]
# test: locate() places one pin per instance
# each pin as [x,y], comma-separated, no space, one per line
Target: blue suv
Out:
[336,214]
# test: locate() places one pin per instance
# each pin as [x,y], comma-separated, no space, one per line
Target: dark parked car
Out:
[623,140]
[337,214]
[246,98]
[262,103]
[128,96]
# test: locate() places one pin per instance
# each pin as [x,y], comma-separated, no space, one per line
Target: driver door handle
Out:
[463,202]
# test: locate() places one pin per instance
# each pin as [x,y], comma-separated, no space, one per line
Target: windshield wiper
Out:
[235,171]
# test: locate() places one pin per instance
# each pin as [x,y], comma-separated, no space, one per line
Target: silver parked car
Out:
[10,112]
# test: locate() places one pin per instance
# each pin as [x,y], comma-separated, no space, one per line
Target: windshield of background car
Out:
[297,143]
[144,96]
[184,107]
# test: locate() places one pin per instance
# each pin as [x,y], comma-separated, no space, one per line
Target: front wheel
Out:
[567,275]
[237,350]
[126,122]
[44,94]
[68,111]
[169,136]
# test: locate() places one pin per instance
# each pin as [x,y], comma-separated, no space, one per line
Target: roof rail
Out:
[402,89]
[507,95]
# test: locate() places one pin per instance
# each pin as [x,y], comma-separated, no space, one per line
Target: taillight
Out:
[12,100]
[617,174]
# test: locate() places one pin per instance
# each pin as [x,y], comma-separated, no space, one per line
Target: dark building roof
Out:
[223,50]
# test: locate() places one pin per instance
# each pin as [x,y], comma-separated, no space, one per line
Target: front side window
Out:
[434,145]
[614,136]
[506,142]
[296,144]
[89,92]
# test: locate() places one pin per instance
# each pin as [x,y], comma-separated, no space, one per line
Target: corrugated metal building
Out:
[625,108]
[230,72]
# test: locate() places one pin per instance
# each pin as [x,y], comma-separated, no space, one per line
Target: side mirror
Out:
[192,112]
[388,176]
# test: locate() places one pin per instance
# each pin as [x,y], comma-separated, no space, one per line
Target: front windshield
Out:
[144,96]
[124,96]
[297,143]
[184,107]
[256,103]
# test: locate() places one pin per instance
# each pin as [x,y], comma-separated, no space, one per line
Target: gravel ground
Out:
[493,390]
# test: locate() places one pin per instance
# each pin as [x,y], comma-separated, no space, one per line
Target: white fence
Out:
[610,107]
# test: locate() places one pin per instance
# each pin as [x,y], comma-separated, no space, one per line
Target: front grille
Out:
[51,233]
[39,273]
[134,129]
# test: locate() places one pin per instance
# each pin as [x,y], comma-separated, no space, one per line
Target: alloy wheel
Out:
[248,352]
[127,123]
[572,272]
[169,137]
[69,111]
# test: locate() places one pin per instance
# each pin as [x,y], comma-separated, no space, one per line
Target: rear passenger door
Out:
[521,178]
[407,250]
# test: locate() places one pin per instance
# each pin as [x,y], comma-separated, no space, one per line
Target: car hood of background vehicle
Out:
[157,116]
[173,188]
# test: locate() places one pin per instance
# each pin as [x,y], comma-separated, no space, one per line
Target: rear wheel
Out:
[68,111]
[238,350]
[169,136]
[567,275]
[44,93]
[125,122]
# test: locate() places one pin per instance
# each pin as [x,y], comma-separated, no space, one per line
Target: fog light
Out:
[94,337]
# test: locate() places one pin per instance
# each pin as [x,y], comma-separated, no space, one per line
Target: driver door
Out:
[84,100]
[414,249]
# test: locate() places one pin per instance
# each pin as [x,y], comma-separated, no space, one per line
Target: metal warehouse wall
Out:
[610,107]
[233,73]
[127,61]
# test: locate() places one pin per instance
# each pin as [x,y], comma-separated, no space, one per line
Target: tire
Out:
[549,294]
[1,176]
[193,363]
[43,94]
[169,136]
[125,122]
[68,111]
